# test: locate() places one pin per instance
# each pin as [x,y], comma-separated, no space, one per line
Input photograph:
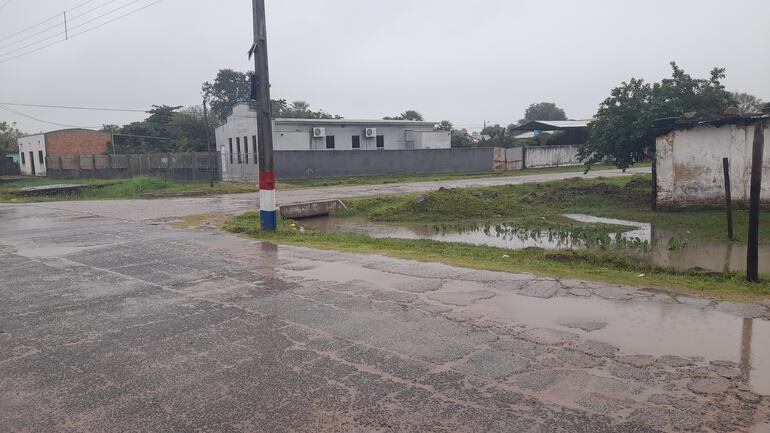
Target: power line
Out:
[83,32]
[64,33]
[70,107]
[45,121]
[44,21]
[55,26]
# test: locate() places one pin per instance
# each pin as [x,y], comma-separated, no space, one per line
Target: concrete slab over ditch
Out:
[127,326]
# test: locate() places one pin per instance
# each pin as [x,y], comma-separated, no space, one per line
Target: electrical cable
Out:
[57,25]
[80,33]
[45,121]
[70,107]
[44,21]
[64,33]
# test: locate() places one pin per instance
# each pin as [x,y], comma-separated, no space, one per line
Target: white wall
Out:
[296,134]
[689,165]
[34,144]
[551,156]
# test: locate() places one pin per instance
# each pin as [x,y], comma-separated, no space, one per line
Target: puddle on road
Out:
[643,241]
[691,328]
[645,327]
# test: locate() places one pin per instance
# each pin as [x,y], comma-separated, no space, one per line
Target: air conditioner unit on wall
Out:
[370,132]
[319,132]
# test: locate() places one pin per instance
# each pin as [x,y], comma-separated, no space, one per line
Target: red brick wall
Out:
[76,142]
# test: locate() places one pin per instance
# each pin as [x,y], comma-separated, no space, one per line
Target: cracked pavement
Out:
[109,325]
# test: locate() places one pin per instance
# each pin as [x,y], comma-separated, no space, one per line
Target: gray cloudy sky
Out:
[466,61]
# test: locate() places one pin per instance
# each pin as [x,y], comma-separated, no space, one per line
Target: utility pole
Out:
[752,253]
[112,139]
[267,209]
[208,142]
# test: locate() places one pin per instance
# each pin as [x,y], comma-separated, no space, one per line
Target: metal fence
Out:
[181,166]
[8,167]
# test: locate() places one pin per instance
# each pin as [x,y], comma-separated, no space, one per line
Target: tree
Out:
[621,129]
[407,115]
[747,103]
[461,138]
[445,125]
[9,136]
[543,111]
[228,90]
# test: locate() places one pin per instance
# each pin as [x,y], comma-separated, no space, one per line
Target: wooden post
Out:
[728,198]
[752,253]
[194,165]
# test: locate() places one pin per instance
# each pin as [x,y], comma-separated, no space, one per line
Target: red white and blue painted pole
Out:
[261,93]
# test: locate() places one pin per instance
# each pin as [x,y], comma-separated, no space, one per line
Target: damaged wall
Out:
[689,165]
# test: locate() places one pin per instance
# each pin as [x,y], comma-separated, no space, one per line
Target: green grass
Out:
[542,205]
[380,180]
[588,265]
[139,187]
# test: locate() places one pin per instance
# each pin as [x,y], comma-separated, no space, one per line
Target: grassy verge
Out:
[139,187]
[588,265]
[543,205]
[380,180]
[146,187]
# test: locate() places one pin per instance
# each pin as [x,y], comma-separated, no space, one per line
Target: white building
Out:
[688,160]
[32,153]
[237,138]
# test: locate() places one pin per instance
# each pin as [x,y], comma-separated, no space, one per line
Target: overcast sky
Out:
[465,61]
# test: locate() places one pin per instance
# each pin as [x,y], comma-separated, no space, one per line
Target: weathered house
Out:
[34,149]
[688,160]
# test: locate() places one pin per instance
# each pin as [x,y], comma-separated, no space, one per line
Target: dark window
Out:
[380,142]
[22,157]
[231,150]
[356,142]
[254,147]
[238,148]
[330,142]
[40,156]
[246,148]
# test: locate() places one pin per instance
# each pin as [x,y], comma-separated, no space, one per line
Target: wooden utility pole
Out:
[752,262]
[728,198]
[267,208]
[208,142]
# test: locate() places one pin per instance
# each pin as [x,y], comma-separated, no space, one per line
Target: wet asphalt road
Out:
[114,325]
[141,210]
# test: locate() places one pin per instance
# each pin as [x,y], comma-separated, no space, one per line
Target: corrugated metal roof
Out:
[552,125]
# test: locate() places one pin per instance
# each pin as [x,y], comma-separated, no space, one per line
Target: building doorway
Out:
[32,163]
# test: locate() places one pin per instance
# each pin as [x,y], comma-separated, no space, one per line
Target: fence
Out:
[180,166]
[551,156]
[8,167]
[343,163]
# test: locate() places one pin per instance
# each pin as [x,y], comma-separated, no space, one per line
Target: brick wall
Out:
[76,142]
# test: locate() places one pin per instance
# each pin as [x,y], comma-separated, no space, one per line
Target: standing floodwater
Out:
[662,247]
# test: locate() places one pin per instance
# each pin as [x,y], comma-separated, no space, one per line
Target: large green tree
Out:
[230,88]
[543,111]
[621,130]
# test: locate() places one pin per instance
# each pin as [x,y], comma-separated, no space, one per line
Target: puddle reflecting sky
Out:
[707,255]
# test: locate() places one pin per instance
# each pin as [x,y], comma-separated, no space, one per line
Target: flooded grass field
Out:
[659,246]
